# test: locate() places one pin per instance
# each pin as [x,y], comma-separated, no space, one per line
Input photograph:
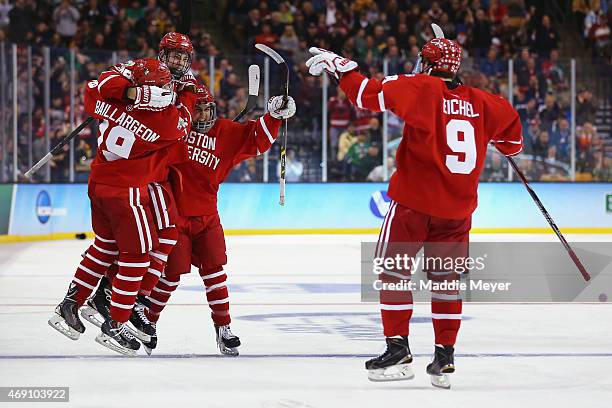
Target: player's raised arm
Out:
[363,92]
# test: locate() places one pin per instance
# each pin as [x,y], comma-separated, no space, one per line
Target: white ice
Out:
[303,345]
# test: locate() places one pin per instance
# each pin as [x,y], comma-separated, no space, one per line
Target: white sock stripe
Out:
[443,316]
[218,302]
[99,262]
[395,307]
[360,93]
[215,287]
[144,220]
[213,275]
[156,289]
[89,271]
[396,275]
[128,278]
[383,230]
[167,241]
[137,218]
[125,293]
[105,251]
[445,296]
[388,232]
[80,282]
[440,273]
[154,272]
[121,305]
[381,101]
[155,206]
[165,282]
[108,241]
[157,302]
[159,256]
[262,122]
[134,264]
[164,206]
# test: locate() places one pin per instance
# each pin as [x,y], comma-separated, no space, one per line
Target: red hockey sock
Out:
[217,295]
[159,257]
[395,306]
[160,295]
[99,256]
[446,318]
[126,284]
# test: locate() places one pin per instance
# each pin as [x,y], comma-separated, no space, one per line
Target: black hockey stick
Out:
[253,92]
[550,221]
[58,147]
[283,150]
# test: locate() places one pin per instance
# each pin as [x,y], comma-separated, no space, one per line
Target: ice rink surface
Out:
[306,335]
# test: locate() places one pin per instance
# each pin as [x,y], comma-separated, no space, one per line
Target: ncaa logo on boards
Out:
[43,207]
[379,203]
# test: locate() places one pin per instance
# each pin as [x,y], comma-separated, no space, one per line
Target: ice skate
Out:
[97,309]
[117,337]
[66,317]
[139,324]
[150,345]
[227,341]
[393,364]
[442,365]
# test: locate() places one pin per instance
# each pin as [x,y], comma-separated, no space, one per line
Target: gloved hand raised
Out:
[324,60]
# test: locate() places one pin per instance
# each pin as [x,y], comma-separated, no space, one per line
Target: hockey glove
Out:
[153,98]
[278,109]
[324,60]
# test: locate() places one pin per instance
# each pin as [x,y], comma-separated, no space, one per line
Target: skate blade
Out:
[143,337]
[59,324]
[91,315]
[149,350]
[441,381]
[109,343]
[229,351]
[400,372]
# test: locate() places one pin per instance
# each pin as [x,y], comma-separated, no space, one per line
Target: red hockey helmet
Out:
[176,51]
[149,71]
[439,55]
[205,110]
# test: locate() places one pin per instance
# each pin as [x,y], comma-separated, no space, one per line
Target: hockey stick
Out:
[550,221]
[283,150]
[58,147]
[253,92]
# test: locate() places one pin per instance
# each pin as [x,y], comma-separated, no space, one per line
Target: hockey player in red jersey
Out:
[137,143]
[215,145]
[116,83]
[434,190]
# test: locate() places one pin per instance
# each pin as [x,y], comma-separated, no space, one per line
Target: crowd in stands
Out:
[383,36]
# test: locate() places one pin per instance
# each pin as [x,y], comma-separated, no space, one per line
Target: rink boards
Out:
[59,210]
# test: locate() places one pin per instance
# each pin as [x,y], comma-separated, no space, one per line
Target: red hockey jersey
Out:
[212,157]
[135,147]
[446,134]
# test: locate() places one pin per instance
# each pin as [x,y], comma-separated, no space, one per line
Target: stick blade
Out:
[437,30]
[270,52]
[254,75]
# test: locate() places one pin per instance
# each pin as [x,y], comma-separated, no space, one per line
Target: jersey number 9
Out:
[467,146]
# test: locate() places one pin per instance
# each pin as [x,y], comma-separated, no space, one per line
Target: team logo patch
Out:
[379,203]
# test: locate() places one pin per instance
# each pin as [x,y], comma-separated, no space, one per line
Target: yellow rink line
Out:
[5,239]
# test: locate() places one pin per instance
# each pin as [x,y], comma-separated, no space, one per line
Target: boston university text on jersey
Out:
[199,145]
[126,121]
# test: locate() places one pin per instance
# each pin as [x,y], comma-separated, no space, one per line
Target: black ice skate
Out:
[149,346]
[66,318]
[393,364]
[443,364]
[117,337]
[97,309]
[139,324]
[227,341]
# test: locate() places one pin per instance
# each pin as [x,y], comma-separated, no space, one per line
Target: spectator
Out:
[21,17]
[561,139]
[599,35]
[347,139]
[481,34]
[377,174]
[266,37]
[541,145]
[65,18]
[603,169]
[545,38]
[492,66]
[5,8]
[585,107]
[340,113]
